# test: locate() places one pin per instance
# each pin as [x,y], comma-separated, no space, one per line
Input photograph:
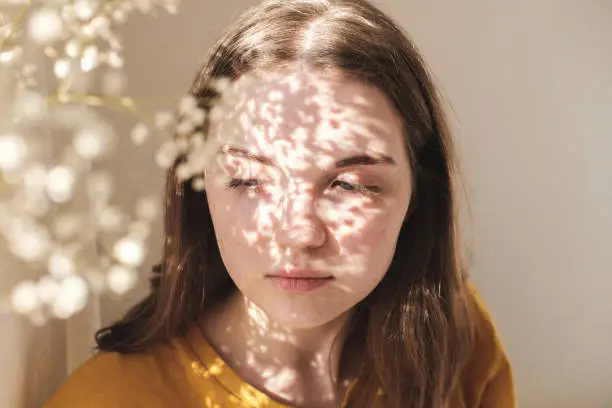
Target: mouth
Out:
[294,280]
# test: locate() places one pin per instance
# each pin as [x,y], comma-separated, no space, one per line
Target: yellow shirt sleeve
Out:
[113,380]
[96,384]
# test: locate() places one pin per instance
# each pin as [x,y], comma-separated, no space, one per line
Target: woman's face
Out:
[307,193]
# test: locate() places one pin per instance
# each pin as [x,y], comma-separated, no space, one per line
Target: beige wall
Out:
[530,82]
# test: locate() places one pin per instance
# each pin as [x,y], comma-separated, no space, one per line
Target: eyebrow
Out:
[365,160]
[358,160]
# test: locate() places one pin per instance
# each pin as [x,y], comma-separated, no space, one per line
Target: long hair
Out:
[416,323]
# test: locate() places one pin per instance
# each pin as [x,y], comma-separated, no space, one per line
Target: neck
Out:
[301,366]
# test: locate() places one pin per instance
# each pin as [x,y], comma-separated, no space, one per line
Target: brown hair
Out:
[416,323]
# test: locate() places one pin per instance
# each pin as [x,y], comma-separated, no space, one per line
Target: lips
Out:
[299,274]
[299,280]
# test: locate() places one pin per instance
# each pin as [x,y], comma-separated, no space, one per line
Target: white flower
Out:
[90,58]
[121,279]
[198,184]
[71,297]
[84,9]
[187,104]
[60,183]
[163,120]
[13,151]
[129,251]
[196,117]
[184,128]
[24,298]
[166,155]
[45,25]
[61,264]
[61,68]
[140,133]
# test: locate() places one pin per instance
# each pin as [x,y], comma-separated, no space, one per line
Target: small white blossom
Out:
[198,184]
[140,133]
[166,155]
[163,120]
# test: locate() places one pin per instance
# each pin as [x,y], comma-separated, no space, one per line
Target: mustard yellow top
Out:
[172,376]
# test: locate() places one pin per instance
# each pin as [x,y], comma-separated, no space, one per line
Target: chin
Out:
[303,319]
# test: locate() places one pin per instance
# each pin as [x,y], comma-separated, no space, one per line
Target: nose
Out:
[300,226]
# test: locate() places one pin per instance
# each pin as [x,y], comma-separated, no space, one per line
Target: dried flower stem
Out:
[115,103]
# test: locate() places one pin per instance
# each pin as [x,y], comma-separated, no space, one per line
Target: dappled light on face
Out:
[309,163]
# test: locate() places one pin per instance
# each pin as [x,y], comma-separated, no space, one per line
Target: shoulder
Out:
[487,344]
[110,379]
[487,379]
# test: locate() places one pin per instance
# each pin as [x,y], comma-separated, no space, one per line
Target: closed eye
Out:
[345,185]
[237,183]
[248,183]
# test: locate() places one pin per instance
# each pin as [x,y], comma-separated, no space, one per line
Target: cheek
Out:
[234,226]
[245,231]
[372,234]
[231,215]
[363,221]
[366,240]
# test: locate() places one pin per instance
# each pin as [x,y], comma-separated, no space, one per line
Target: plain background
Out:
[529,83]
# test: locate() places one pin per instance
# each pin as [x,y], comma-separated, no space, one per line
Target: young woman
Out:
[318,265]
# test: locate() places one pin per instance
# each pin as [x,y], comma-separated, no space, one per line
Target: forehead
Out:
[297,108]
